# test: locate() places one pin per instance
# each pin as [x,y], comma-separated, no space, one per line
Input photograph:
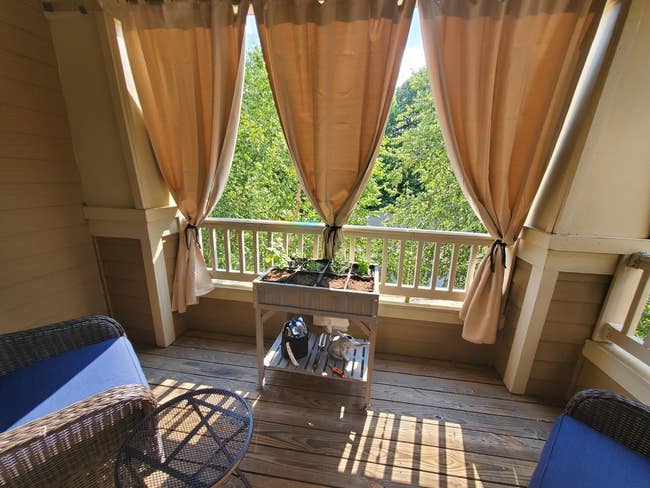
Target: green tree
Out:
[427,195]
[262,183]
[412,184]
[644,323]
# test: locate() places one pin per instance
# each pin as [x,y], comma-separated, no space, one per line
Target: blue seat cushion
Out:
[54,383]
[576,455]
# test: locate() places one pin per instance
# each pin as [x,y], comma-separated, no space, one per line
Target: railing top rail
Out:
[350,230]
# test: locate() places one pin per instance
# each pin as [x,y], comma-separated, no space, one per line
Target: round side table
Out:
[195,440]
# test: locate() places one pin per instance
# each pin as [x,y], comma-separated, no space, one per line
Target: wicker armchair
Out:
[624,420]
[75,446]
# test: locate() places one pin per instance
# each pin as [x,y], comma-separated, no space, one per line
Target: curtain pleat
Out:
[187,60]
[502,75]
[333,66]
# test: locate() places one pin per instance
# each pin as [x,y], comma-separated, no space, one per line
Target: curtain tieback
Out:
[332,228]
[332,237]
[330,231]
[493,248]
[189,228]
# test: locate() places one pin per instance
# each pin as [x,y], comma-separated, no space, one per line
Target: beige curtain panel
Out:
[502,74]
[187,60]
[333,66]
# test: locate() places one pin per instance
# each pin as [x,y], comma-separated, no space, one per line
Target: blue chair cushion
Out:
[54,383]
[576,455]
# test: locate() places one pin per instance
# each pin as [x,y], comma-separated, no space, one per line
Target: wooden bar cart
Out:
[359,307]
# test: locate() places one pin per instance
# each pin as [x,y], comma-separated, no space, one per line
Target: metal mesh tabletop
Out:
[194,440]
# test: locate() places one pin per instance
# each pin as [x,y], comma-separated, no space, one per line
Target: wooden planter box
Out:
[333,301]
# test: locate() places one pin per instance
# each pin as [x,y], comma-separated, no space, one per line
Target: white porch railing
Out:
[414,263]
[626,300]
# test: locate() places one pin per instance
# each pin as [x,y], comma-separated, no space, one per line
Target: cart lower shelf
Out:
[355,370]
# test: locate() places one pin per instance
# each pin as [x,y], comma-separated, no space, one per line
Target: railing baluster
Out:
[471,266]
[384,261]
[315,247]
[368,249]
[226,249]
[213,248]
[199,236]
[382,246]
[269,241]
[256,251]
[436,263]
[400,265]
[242,253]
[452,266]
[634,313]
[418,265]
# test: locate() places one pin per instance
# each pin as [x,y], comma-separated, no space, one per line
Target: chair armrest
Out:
[624,420]
[77,445]
[21,348]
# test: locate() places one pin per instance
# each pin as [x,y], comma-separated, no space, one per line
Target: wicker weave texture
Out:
[622,419]
[25,347]
[76,446]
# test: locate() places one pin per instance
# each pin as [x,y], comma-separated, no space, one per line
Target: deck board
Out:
[430,423]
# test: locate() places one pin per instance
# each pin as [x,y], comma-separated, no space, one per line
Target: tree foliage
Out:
[412,184]
[262,182]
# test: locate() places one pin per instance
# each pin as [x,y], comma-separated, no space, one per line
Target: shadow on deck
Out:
[431,423]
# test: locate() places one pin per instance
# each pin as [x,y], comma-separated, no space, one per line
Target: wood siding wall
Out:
[123,267]
[514,301]
[48,266]
[395,336]
[576,303]
[591,376]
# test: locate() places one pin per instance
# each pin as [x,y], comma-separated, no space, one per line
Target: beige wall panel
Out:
[38,195]
[126,282]
[551,391]
[43,308]
[48,266]
[26,15]
[563,332]
[573,312]
[32,244]
[30,121]
[610,193]
[34,171]
[26,95]
[591,376]
[97,143]
[430,340]
[558,352]
[170,250]
[16,67]
[26,44]
[407,337]
[30,146]
[42,220]
[28,268]
[520,277]
[74,292]
[577,300]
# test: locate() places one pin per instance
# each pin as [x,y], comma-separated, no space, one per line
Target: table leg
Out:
[259,338]
[371,359]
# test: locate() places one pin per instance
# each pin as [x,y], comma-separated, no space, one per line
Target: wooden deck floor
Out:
[431,423]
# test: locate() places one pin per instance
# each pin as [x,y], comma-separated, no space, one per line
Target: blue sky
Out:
[412,60]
